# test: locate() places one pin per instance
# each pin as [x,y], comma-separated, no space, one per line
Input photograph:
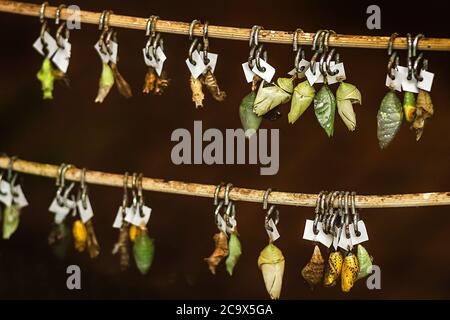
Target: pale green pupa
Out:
[346,95]
[301,99]
[234,252]
[272,95]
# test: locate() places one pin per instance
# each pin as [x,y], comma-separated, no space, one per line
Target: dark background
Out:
[410,245]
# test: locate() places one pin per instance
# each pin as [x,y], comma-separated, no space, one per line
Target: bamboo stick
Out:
[232,33]
[236,193]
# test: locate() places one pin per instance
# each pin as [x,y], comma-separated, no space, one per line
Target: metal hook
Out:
[230,213]
[10,166]
[416,66]
[317,35]
[158,42]
[410,56]
[326,39]
[328,62]
[318,48]
[216,193]
[258,58]
[217,212]
[355,213]
[391,42]
[254,36]
[318,211]
[134,191]
[58,13]
[83,188]
[392,64]
[321,62]
[103,23]
[267,218]
[300,53]
[140,195]
[227,193]
[205,43]
[266,199]
[125,192]
[191,28]
[42,11]
[150,28]
[416,43]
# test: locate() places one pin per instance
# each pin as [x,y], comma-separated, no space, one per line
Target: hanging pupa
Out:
[349,274]
[235,251]
[346,95]
[249,120]
[122,85]
[220,251]
[325,109]
[143,251]
[333,269]
[134,232]
[79,233]
[106,82]
[197,92]
[210,81]
[272,95]
[11,218]
[424,111]
[302,98]
[389,119]
[365,262]
[313,271]
[47,77]
[409,106]
[271,263]
[60,239]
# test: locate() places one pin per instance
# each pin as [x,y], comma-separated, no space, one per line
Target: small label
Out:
[395,84]
[157,65]
[61,211]
[142,221]
[340,76]
[221,224]
[248,72]
[86,212]
[104,56]
[302,65]
[118,221]
[231,226]
[212,60]
[427,80]
[344,242]
[5,193]
[197,69]
[407,85]
[337,236]
[114,47]
[269,72]
[51,48]
[129,214]
[312,78]
[274,234]
[62,56]
[19,197]
[363,233]
[322,237]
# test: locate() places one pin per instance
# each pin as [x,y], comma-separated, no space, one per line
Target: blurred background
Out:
[410,245]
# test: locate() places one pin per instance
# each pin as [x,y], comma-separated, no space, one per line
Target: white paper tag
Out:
[52,46]
[62,56]
[407,85]
[104,56]
[362,237]
[274,234]
[157,65]
[142,221]
[344,242]
[212,60]
[61,211]
[395,84]
[118,221]
[86,213]
[114,46]
[19,197]
[336,237]
[302,64]
[129,214]
[199,67]
[247,72]
[322,237]
[340,76]
[5,195]
[427,81]
[221,224]
[312,78]
[269,72]
[231,226]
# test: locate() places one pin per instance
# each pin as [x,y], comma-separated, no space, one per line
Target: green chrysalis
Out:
[234,252]
[325,109]
[249,120]
[143,250]
[389,119]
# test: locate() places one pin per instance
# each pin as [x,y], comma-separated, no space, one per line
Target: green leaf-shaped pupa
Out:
[389,119]
[325,109]
[249,120]
[105,83]
[46,77]
[346,95]
[143,251]
[271,95]
[365,262]
[234,252]
[301,99]
[10,220]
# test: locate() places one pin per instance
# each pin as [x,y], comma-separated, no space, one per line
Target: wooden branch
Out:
[269,36]
[236,193]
